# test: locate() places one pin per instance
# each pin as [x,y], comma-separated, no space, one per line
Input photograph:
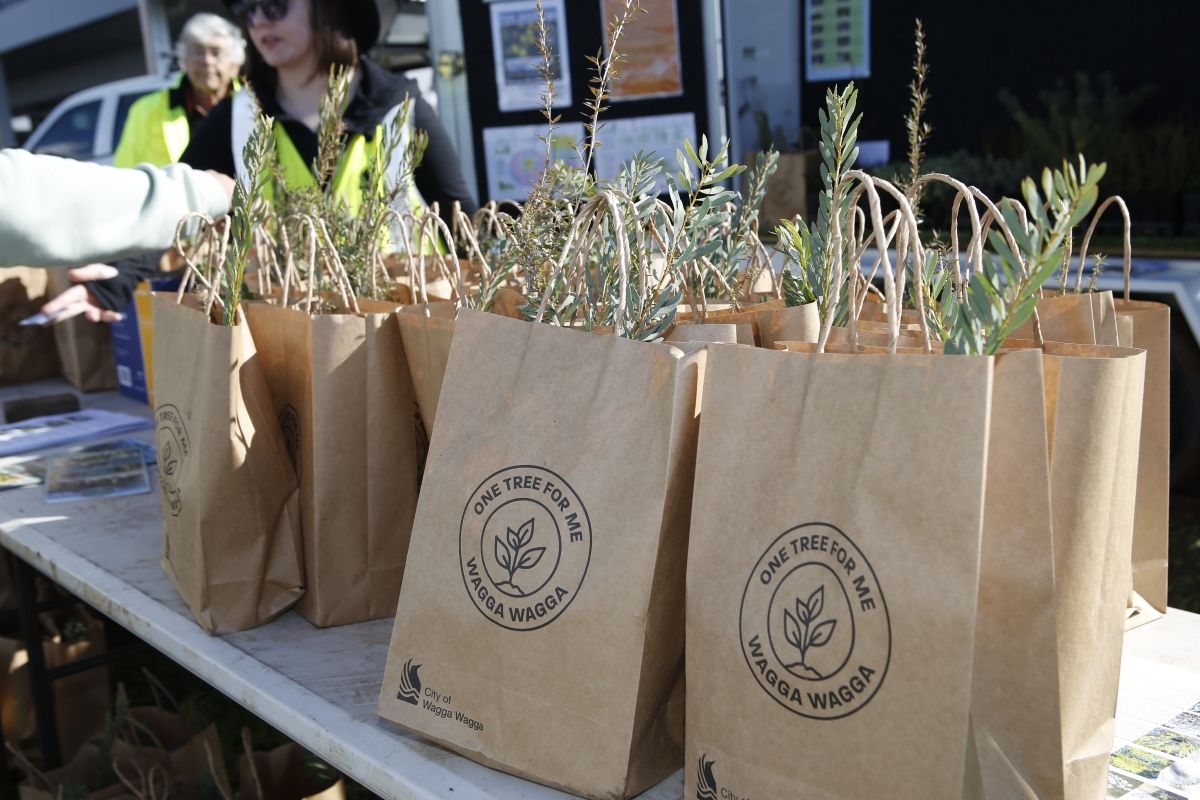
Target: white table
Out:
[320,686]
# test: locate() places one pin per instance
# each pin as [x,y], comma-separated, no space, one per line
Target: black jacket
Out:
[438,177]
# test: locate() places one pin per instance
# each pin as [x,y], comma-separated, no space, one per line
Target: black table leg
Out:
[39,682]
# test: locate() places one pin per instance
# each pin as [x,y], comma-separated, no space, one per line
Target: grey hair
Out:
[204,28]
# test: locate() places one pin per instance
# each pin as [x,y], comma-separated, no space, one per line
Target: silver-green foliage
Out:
[810,252]
[247,213]
[1003,294]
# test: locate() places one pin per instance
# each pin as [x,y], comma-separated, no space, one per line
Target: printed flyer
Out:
[1156,755]
[519,83]
[650,49]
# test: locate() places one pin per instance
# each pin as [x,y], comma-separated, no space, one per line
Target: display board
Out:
[660,99]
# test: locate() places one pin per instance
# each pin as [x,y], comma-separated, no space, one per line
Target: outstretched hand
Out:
[79,299]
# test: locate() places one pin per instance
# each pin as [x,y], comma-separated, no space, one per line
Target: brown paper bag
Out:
[427,330]
[1057,483]
[231,517]
[81,772]
[1149,325]
[787,189]
[768,322]
[1079,317]
[713,332]
[1093,473]
[833,574]
[282,774]
[344,399]
[790,324]
[85,348]
[548,555]
[80,701]
[26,353]
[508,303]
[1096,318]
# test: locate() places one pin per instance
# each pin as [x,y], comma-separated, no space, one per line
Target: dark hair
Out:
[332,38]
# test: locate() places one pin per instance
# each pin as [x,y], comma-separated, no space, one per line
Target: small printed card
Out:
[111,472]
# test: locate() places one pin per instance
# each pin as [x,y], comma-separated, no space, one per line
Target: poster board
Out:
[495,125]
[837,42]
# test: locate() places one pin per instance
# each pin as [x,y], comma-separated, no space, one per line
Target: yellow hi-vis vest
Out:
[155,132]
[350,176]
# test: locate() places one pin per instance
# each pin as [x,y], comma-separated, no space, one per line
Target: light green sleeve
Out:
[56,212]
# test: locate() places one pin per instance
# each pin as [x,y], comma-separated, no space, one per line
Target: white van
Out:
[87,125]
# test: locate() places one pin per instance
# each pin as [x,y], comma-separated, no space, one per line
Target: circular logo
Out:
[173,449]
[814,624]
[524,545]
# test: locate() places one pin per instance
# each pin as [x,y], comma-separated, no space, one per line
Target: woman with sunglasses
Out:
[295,42]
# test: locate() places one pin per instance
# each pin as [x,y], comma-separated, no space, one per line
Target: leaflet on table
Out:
[515,157]
[39,433]
[149,451]
[519,82]
[17,471]
[660,135]
[113,472]
[1156,755]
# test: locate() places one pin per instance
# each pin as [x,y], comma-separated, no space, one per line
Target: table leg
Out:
[39,681]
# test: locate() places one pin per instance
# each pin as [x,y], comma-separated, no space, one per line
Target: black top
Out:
[438,177]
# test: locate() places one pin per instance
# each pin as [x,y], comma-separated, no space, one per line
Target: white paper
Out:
[1156,752]
[514,156]
[56,430]
[661,135]
[519,84]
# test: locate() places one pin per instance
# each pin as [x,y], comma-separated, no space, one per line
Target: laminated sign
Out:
[540,624]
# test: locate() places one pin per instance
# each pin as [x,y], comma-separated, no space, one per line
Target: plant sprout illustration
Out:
[512,555]
[803,632]
[169,459]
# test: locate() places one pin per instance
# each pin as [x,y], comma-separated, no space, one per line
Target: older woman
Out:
[211,50]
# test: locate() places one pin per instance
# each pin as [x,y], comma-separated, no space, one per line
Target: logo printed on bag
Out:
[410,683]
[524,546]
[814,624]
[173,449]
[706,783]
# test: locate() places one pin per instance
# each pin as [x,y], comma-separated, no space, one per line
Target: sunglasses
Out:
[273,10]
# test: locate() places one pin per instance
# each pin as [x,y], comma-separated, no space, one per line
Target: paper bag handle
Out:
[907,235]
[152,784]
[212,770]
[1127,259]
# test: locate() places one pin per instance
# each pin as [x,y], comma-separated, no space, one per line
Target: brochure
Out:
[114,472]
[39,433]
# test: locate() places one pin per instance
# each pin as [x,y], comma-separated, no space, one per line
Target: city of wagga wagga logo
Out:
[524,544]
[814,624]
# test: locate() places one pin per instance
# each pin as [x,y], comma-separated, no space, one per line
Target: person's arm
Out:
[58,212]
[439,176]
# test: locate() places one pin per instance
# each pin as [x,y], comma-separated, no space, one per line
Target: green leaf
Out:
[1085,203]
